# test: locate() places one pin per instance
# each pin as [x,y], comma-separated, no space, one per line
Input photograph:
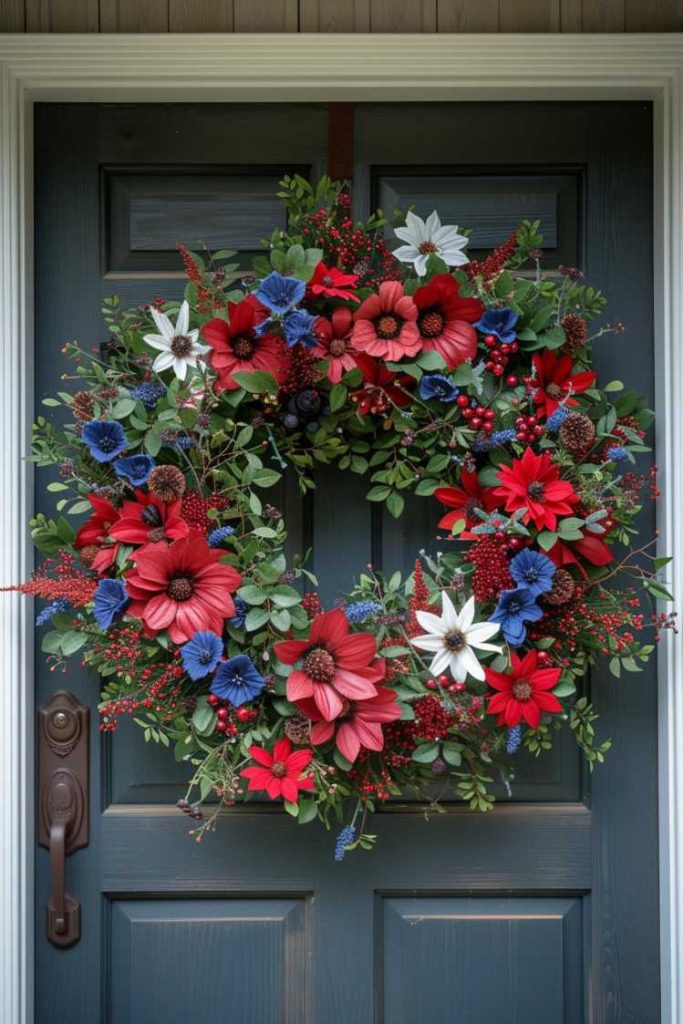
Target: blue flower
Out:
[279,293]
[515,607]
[105,439]
[135,469]
[111,599]
[555,421]
[201,654]
[52,609]
[240,616]
[221,533]
[237,680]
[514,739]
[499,322]
[533,570]
[617,454]
[360,611]
[148,393]
[298,326]
[344,839]
[437,385]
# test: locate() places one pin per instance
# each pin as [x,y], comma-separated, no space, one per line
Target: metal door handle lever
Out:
[64,802]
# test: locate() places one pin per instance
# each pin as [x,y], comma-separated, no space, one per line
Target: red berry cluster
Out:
[477,416]
[354,249]
[529,429]
[56,579]
[227,717]
[195,507]
[490,268]
[499,357]
[491,574]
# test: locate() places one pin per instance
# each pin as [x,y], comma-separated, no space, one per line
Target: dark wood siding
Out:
[341,16]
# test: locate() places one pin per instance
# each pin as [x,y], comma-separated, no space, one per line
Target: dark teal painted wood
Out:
[261,884]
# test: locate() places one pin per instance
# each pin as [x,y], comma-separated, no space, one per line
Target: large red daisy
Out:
[237,348]
[382,388]
[335,664]
[181,587]
[464,500]
[334,343]
[358,726]
[445,318]
[386,324]
[279,773]
[533,482]
[333,283]
[555,383]
[148,519]
[523,692]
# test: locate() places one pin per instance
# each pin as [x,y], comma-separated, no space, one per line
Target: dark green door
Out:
[545,910]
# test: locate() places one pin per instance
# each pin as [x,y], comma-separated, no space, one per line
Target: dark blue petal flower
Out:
[279,293]
[533,570]
[499,322]
[135,469]
[437,385]
[240,616]
[201,654]
[111,599]
[515,607]
[237,680]
[297,326]
[105,439]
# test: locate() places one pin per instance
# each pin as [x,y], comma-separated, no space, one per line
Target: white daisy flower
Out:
[178,347]
[427,237]
[454,637]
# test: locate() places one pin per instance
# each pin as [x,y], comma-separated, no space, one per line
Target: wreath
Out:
[466,382]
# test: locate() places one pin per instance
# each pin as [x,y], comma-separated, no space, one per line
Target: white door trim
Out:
[245,68]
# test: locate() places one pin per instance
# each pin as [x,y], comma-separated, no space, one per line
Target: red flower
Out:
[591,549]
[359,725]
[96,532]
[148,519]
[382,388]
[334,343]
[237,347]
[332,282]
[464,500]
[523,692]
[279,773]
[386,324]
[533,482]
[554,381]
[335,664]
[181,587]
[445,319]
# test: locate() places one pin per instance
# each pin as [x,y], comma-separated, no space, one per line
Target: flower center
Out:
[180,588]
[430,324]
[388,326]
[553,390]
[426,247]
[243,347]
[151,516]
[531,575]
[205,656]
[536,490]
[155,535]
[514,606]
[327,281]
[455,640]
[521,689]
[319,665]
[337,347]
[181,346]
[106,443]
[279,769]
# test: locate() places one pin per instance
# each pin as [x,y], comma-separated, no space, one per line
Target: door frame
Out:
[327,68]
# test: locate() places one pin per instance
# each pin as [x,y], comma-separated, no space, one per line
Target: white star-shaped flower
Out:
[178,347]
[453,637]
[427,237]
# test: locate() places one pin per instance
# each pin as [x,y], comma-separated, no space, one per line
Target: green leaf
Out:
[395,504]
[547,539]
[72,642]
[281,619]
[452,754]
[152,443]
[123,408]
[426,753]
[284,596]
[462,376]
[431,361]
[427,486]
[52,643]
[291,808]
[252,594]
[256,618]
[378,493]
[338,396]
[203,718]
[256,382]
[564,690]
[266,477]
[614,385]
[308,810]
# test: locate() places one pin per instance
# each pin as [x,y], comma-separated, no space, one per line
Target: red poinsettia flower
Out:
[334,343]
[335,664]
[523,692]
[381,389]
[555,383]
[96,533]
[589,549]
[358,726]
[237,348]
[279,773]
[386,324]
[464,500]
[333,283]
[148,519]
[182,587]
[533,482]
[445,318]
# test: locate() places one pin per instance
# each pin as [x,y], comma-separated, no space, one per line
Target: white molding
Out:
[314,68]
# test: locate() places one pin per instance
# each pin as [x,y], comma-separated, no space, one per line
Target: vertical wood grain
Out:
[332,16]
[133,15]
[266,16]
[467,16]
[200,15]
[603,15]
[529,15]
[662,16]
[403,15]
[62,16]
[12,16]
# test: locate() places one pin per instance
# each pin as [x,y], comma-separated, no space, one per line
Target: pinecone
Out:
[83,406]
[577,434]
[575,332]
[166,482]
[298,729]
[562,589]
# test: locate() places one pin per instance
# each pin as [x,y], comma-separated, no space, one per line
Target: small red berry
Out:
[511,381]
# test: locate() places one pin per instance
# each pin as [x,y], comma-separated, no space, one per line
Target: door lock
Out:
[63,745]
